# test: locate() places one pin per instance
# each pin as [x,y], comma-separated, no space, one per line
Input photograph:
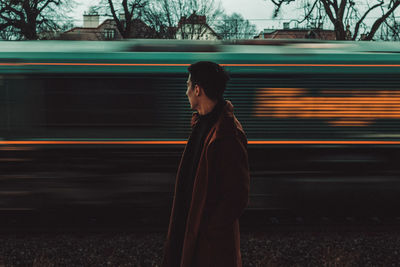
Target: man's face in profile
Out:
[191,94]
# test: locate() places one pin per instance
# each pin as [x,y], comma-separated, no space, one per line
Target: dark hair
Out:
[211,77]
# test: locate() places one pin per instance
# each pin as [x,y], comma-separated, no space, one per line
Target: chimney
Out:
[90,21]
[182,21]
[286,25]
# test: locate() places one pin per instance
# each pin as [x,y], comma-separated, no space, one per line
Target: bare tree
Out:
[10,34]
[210,9]
[313,14]
[278,4]
[390,31]
[235,27]
[26,19]
[166,15]
[124,13]
[163,16]
[342,13]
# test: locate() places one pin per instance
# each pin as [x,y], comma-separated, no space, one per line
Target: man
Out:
[212,183]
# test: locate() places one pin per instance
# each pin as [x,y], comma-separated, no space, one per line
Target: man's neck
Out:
[207,107]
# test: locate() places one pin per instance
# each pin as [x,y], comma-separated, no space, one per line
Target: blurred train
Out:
[102,125]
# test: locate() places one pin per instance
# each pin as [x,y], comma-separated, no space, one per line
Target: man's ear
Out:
[197,90]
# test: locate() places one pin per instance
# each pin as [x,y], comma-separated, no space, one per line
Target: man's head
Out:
[206,83]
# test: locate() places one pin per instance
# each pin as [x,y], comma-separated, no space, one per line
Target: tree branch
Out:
[379,21]
[356,29]
[394,30]
[116,19]
[328,10]
[278,5]
[341,10]
[5,25]
[309,13]
[45,5]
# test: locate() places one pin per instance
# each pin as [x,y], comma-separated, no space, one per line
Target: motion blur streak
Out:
[102,125]
[92,142]
[184,65]
[250,142]
[352,108]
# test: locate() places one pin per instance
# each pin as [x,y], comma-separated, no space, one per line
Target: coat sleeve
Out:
[233,179]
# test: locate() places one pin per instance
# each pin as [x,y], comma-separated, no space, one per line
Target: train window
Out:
[99,101]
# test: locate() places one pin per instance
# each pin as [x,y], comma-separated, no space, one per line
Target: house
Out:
[297,33]
[195,27]
[107,30]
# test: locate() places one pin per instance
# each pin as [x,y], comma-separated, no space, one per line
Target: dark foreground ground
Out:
[274,247]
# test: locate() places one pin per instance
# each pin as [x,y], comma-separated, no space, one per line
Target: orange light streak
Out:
[354,109]
[182,142]
[324,142]
[93,64]
[92,142]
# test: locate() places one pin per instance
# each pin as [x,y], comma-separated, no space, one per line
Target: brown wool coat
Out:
[220,195]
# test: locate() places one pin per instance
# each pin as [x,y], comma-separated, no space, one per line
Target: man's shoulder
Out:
[228,126]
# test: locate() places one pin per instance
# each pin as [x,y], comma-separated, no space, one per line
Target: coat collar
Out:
[227,111]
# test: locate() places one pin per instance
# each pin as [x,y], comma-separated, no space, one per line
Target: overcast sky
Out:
[259,12]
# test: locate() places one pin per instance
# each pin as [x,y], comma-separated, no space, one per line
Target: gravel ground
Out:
[258,249]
